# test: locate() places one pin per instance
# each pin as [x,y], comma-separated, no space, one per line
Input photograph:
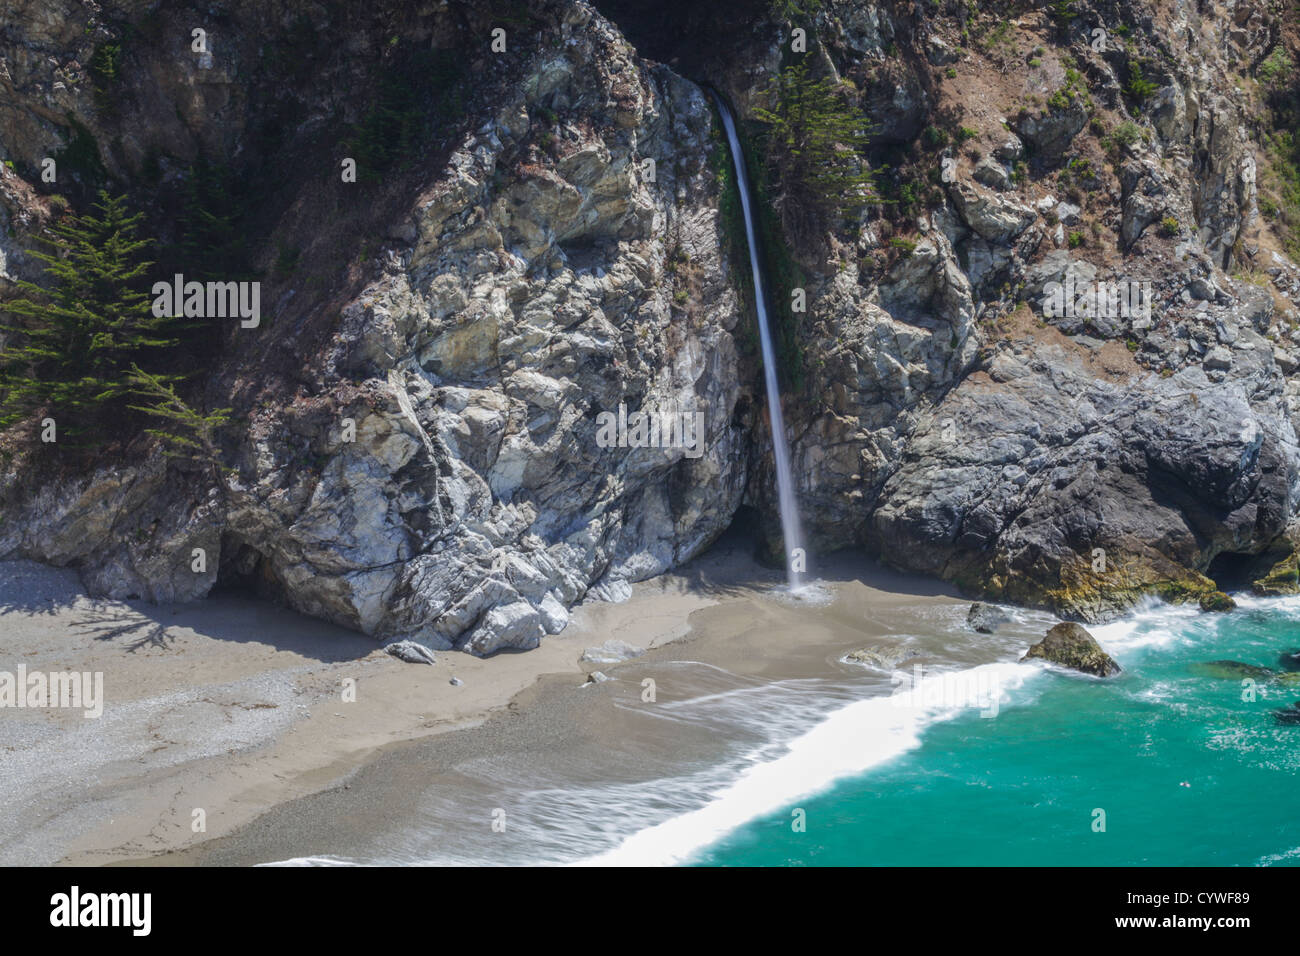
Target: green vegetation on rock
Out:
[815,143]
[71,348]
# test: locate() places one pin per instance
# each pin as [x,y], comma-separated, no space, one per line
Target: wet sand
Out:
[567,769]
[235,707]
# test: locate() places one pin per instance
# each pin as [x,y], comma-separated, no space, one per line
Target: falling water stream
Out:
[790,528]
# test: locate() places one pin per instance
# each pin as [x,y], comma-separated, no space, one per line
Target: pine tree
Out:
[72,350]
[212,240]
[185,431]
[815,145]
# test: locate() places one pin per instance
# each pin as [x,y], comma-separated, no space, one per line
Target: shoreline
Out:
[568,765]
[234,706]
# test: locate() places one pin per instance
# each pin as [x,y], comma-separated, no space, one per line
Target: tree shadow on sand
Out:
[137,630]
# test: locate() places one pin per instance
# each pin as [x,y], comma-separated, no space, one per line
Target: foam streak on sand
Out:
[848,742]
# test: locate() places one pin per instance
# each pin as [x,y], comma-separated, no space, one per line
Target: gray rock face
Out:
[1049,486]
[1050,134]
[1072,646]
[442,474]
[564,266]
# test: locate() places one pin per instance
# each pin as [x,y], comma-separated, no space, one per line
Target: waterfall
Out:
[790,528]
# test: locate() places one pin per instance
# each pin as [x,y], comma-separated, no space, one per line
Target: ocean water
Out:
[975,760]
[1162,765]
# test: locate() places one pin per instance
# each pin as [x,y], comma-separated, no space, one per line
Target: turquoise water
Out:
[1185,770]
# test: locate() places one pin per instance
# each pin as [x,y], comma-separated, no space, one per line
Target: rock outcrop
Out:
[885,657]
[1070,645]
[1058,368]
[449,480]
[985,618]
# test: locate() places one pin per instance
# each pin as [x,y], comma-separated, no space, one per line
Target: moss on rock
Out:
[1283,577]
[1216,601]
[1070,645]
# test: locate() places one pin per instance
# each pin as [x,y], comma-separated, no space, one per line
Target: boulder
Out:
[985,618]
[515,626]
[992,216]
[883,657]
[1289,714]
[1216,601]
[410,652]
[1070,645]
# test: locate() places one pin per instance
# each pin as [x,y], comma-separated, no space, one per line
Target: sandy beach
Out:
[235,707]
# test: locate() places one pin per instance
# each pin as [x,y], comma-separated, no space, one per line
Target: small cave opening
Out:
[749,532]
[1233,570]
[245,572]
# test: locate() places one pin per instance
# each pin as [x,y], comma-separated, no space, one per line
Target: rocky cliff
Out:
[417,444]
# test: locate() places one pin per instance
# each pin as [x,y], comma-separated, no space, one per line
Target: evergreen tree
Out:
[72,349]
[815,145]
[211,236]
[185,431]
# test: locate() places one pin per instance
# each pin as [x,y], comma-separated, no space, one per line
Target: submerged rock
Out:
[985,618]
[411,652]
[1290,660]
[882,656]
[1070,645]
[1216,601]
[1231,670]
[1288,715]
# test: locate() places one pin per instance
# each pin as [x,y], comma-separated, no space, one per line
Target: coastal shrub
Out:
[1062,12]
[933,137]
[1169,227]
[1276,69]
[105,69]
[1138,87]
[795,9]
[70,348]
[212,242]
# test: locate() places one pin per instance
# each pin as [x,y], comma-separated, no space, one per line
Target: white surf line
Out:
[849,742]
